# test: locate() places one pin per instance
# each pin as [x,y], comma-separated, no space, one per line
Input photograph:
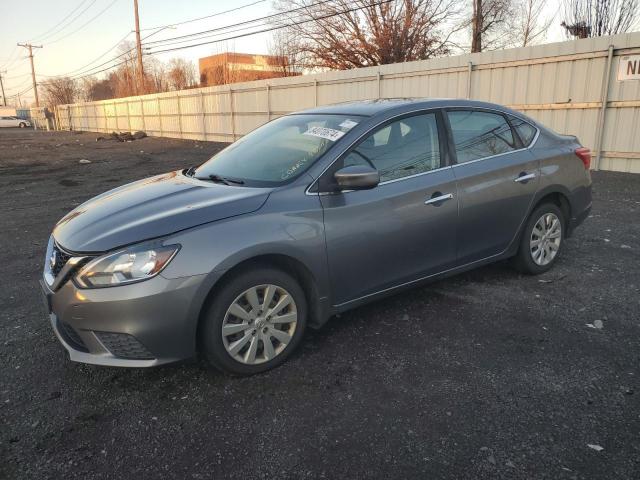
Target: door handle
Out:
[438,198]
[525,177]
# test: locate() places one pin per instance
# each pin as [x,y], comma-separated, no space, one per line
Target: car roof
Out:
[369,108]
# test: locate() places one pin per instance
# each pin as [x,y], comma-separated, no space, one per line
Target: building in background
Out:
[230,67]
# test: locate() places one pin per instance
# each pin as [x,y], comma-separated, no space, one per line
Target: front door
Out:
[496,179]
[404,228]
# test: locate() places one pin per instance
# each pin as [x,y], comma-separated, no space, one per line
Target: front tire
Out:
[541,240]
[254,323]
[22,125]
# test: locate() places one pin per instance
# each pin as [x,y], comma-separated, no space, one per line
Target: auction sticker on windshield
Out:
[323,132]
[348,124]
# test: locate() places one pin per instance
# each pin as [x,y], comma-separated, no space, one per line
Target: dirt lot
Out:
[486,375]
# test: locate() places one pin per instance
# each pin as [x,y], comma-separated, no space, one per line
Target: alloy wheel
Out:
[546,236]
[259,324]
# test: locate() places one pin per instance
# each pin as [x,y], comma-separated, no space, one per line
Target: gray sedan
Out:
[308,216]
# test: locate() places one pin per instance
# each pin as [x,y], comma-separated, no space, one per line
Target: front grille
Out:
[124,345]
[71,336]
[62,258]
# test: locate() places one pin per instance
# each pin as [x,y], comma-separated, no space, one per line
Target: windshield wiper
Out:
[225,180]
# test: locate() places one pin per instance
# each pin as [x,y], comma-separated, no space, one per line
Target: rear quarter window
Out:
[526,131]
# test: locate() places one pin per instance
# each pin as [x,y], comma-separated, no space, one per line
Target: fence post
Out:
[268,90]
[69,117]
[233,116]
[469,69]
[204,120]
[604,96]
[379,85]
[128,116]
[160,116]
[179,114]
[315,92]
[144,126]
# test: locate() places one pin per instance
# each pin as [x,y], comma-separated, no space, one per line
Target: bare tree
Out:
[123,80]
[59,91]
[347,34]
[92,89]
[595,18]
[490,28]
[155,76]
[530,24]
[181,74]
[288,52]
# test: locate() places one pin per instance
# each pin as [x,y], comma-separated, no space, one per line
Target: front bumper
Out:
[138,325]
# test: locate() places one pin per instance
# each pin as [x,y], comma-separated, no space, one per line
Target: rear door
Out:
[497,178]
[394,233]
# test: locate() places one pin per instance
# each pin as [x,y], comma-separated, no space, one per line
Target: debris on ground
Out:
[597,324]
[551,280]
[597,448]
[123,136]
[84,160]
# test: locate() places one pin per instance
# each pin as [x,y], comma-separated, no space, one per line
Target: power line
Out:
[60,22]
[41,38]
[88,72]
[91,62]
[270,29]
[68,23]
[84,24]
[9,62]
[246,22]
[206,16]
[237,36]
[82,73]
[22,85]
[17,76]
[93,70]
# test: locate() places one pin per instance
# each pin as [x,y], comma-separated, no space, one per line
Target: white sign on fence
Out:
[629,68]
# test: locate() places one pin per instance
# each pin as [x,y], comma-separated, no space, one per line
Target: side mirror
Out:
[357,177]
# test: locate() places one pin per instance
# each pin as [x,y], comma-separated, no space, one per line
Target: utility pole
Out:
[4,99]
[477,23]
[30,47]
[139,48]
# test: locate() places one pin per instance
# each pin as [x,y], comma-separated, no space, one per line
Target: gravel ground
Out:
[490,374]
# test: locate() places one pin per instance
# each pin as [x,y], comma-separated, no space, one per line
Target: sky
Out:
[74,33]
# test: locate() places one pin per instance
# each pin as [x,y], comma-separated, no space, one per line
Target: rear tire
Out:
[249,309]
[541,240]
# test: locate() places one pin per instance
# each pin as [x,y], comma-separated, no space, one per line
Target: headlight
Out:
[133,264]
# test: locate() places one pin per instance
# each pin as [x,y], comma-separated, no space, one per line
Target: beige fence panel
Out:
[571,87]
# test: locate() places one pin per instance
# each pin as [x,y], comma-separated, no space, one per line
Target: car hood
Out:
[151,208]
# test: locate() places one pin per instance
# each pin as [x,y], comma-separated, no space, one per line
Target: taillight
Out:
[584,154]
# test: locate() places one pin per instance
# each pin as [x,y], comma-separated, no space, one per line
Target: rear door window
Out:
[478,134]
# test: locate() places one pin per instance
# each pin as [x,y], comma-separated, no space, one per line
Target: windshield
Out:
[278,151]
